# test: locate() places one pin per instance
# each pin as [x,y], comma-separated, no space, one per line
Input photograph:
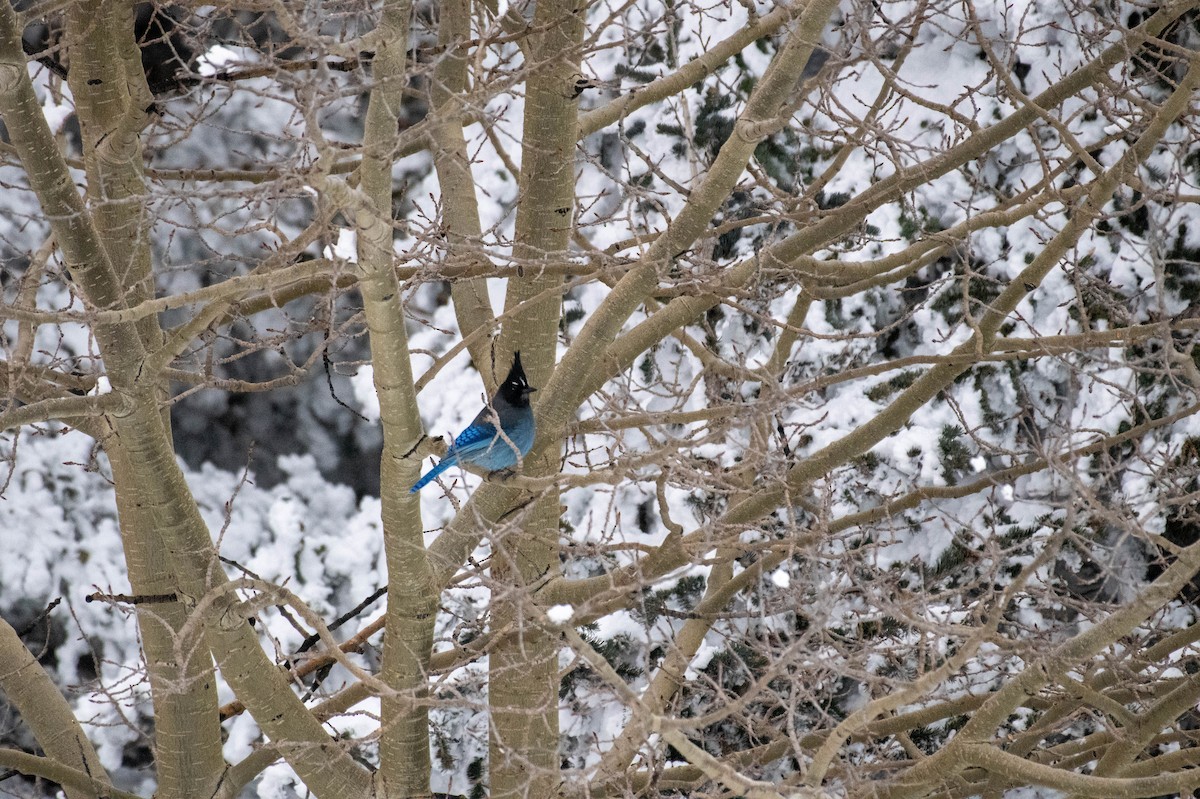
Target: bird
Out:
[481,444]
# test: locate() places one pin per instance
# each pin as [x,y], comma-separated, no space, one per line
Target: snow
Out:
[345,248]
[560,614]
[220,57]
[325,542]
[363,384]
[57,114]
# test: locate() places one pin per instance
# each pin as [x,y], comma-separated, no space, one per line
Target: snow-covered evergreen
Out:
[860,601]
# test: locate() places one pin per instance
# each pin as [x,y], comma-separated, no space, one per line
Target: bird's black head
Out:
[516,389]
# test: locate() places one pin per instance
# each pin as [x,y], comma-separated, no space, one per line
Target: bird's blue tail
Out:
[442,466]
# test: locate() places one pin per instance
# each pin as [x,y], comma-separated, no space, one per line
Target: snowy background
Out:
[288,481]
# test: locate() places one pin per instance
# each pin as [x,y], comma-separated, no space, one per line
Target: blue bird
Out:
[481,444]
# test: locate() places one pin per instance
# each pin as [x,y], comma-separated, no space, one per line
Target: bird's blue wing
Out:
[480,445]
[475,438]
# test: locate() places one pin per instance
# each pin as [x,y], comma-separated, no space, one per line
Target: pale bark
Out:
[106,75]
[164,503]
[683,310]
[103,234]
[523,670]
[450,95]
[412,602]
[42,707]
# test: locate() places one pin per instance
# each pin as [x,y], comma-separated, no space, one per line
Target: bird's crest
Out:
[516,388]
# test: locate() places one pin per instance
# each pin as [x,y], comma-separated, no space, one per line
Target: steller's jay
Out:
[481,444]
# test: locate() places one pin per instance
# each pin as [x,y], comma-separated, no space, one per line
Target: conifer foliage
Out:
[865,345]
